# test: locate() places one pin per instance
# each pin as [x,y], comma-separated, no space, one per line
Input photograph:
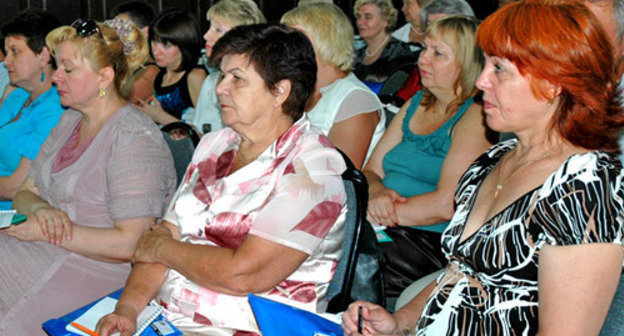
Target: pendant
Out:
[499,187]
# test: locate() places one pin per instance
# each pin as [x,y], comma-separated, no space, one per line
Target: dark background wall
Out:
[68,10]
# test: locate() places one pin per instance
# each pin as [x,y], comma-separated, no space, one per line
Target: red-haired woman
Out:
[534,246]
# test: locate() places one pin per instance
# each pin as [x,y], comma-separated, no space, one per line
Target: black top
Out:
[174,98]
[395,54]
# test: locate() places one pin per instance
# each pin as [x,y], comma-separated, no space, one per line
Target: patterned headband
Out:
[123,28]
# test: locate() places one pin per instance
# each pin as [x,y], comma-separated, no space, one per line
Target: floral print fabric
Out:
[490,285]
[292,194]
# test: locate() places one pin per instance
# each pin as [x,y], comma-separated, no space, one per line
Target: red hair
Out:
[560,42]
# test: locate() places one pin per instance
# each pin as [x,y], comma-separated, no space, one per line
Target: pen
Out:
[84,329]
[359,319]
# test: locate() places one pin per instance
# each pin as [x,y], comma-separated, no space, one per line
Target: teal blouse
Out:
[413,166]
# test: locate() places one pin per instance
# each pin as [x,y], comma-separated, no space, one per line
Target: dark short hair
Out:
[33,24]
[141,13]
[179,28]
[276,52]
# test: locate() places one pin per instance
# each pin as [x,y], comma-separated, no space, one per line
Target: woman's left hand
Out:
[150,106]
[150,242]
[27,231]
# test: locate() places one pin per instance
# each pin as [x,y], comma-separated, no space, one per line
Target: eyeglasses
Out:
[87,28]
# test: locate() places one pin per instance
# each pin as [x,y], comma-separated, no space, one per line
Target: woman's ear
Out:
[44,56]
[282,91]
[107,76]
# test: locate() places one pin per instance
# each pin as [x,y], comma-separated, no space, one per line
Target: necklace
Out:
[499,185]
[374,52]
[416,32]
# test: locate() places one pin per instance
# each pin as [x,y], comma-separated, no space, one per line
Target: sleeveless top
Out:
[413,166]
[174,98]
[343,99]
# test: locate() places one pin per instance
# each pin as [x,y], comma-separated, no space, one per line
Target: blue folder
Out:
[278,319]
[57,327]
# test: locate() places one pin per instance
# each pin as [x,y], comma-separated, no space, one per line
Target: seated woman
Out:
[413,30]
[103,176]
[175,42]
[348,112]
[29,112]
[223,16]
[262,206]
[381,54]
[434,137]
[535,246]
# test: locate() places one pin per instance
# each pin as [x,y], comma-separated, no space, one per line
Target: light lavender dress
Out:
[127,172]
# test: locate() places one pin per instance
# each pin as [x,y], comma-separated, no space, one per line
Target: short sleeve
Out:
[141,177]
[588,208]
[357,102]
[307,202]
[44,120]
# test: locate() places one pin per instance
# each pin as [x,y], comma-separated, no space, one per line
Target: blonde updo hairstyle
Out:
[236,12]
[386,9]
[108,53]
[330,31]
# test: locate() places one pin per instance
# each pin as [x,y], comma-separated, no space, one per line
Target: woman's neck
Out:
[326,75]
[37,87]
[376,41]
[444,98]
[257,138]
[99,111]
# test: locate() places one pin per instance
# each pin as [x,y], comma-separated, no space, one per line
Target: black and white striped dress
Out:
[490,285]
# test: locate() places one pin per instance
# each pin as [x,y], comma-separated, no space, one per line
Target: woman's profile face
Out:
[23,64]
[509,103]
[243,94]
[76,81]
[218,27]
[166,55]
[369,21]
[411,10]
[437,63]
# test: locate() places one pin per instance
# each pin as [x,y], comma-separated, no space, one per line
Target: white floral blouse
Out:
[292,194]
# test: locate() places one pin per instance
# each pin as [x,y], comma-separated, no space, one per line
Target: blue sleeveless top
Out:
[413,166]
[174,98]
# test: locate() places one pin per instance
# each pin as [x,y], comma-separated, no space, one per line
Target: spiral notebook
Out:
[106,306]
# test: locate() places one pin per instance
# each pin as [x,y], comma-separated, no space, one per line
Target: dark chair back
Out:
[358,275]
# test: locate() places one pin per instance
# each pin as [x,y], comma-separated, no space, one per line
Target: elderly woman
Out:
[223,16]
[175,42]
[28,113]
[413,30]
[428,145]
[347,111]
[441,8]
[262,206]
[382,53]
[535,246]
[103,176]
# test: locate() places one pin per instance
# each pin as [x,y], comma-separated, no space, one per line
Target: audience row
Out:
[512,236]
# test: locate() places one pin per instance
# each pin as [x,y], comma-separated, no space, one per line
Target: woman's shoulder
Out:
[308,143]
[583,200]
[130,122]
[588,168]
[344,86]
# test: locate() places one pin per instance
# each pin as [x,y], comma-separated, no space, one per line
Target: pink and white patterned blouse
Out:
[292,194]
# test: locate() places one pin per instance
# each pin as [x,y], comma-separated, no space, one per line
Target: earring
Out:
[102,93]
[280,89]
[42,76]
